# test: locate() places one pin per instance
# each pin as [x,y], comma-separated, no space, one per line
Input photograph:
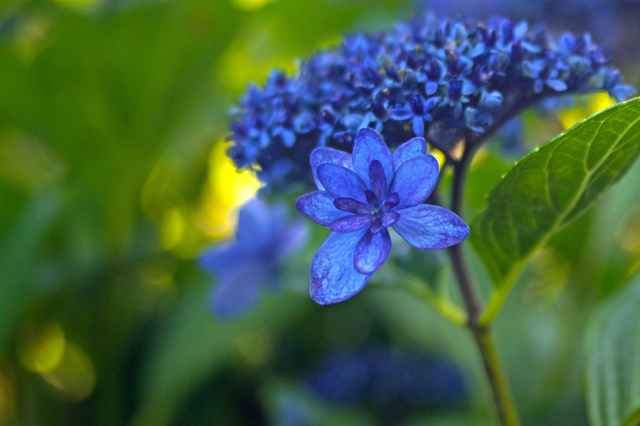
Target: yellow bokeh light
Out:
[250,5]
[595,103]
[75,376]
[225,191]
[172,228]
[44,349]
[79,4]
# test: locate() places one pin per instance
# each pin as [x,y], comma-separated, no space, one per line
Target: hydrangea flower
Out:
[249,266]
[359,196]
[387,379]
[440,79]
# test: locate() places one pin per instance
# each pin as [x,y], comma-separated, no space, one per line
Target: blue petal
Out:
[341,183]
[389,218]
[256,220]
[352,206]
[288,137]
[333,275]
[369,146]
[238,293]
[225,260]
[430,227]
[322,155]
[418,125]
[318,206]
[371,251]
[557,85]
[400,114]
[409,150]
[378,180]
[350,223]
[415,180]
[431,87]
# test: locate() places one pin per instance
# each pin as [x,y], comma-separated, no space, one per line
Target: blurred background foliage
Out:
[113,177]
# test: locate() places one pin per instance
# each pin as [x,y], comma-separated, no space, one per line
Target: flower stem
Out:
[484,340]
[473,303]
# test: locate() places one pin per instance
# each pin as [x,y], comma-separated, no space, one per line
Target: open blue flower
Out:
[246,268]
[359,197]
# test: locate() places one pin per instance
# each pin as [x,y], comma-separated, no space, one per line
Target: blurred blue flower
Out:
[359,196]
[390,380]
[434,78]
[247,267]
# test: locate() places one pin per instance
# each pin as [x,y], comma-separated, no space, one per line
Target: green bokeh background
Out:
[109,112]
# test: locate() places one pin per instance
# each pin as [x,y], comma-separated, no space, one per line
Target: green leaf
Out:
[553,185]
[613,360]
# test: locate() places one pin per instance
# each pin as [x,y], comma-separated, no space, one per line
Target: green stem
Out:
[473,303]
[497,378]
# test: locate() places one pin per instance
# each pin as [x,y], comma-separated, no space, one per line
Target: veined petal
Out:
[322,155]
[352,206]
[371,251]
[333,275]
[378,180]
[430,227]
[318,206]
[340,182]
[415,180]
[350,223]
[409,150]
[367,147]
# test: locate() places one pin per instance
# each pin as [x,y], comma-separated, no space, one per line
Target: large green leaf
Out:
[613,360]
[553,185]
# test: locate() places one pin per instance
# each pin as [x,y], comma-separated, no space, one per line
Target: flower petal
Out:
[236,294]
[378,180]
[350,223]
[409,150]
[333,275]
[255,221]
[371,251]
[225,260]
[318,206]
[352,206]
[340,182]
[367,147]
[430,227]
[415,180]
[322,155]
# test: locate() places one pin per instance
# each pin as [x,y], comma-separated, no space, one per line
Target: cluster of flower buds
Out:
[443,80]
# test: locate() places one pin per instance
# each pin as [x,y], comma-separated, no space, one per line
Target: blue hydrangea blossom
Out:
[440,79]
[359,196]
[249,266]
[388,379]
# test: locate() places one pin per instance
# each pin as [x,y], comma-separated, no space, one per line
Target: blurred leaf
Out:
[193,344]
[427,265]
[613,360]
[552,186]
[18,251]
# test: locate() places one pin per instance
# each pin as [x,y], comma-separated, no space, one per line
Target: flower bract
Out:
[247,267]
[359,196]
